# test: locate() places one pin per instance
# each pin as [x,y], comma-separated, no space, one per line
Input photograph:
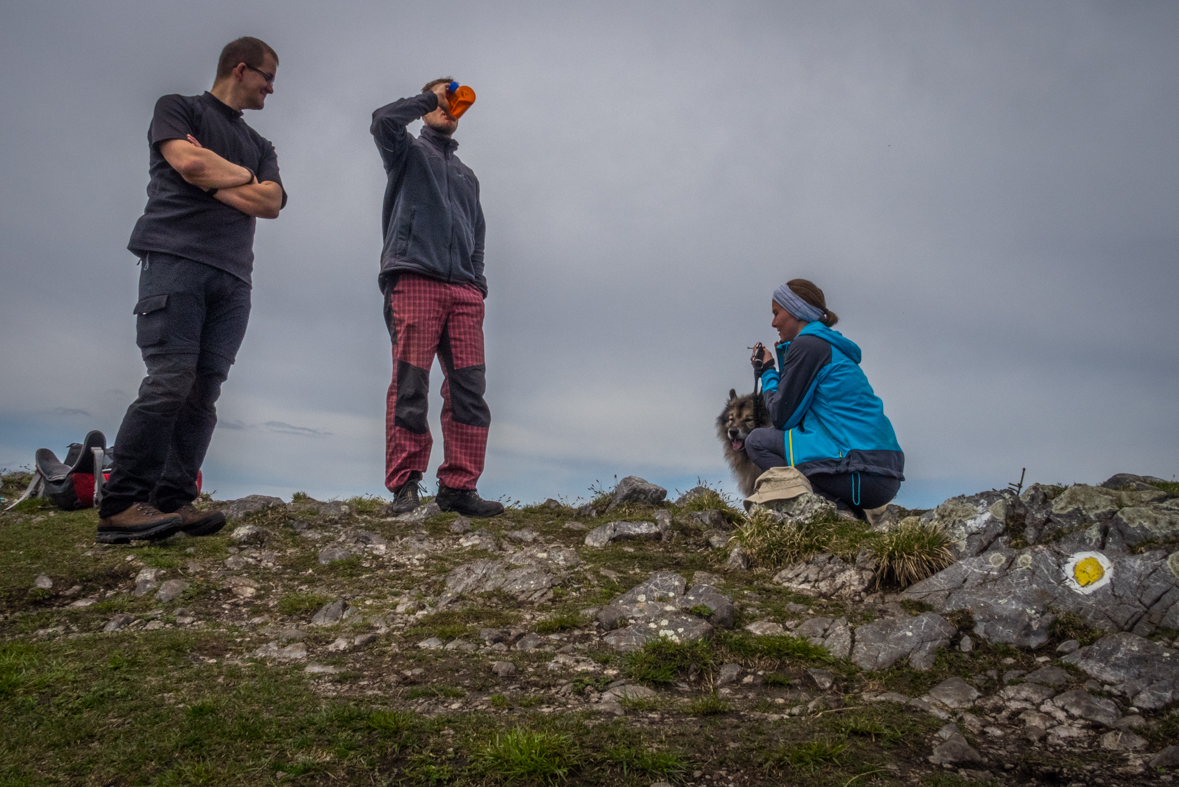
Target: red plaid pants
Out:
[428,317]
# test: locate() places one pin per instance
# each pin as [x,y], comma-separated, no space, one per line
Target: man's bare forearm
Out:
[202,167]
[262,200]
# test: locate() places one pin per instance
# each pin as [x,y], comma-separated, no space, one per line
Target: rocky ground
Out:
[628,641]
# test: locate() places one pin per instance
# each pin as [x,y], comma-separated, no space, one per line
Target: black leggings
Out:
[854,491]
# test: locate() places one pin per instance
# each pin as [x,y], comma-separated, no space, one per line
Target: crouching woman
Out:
[827,422]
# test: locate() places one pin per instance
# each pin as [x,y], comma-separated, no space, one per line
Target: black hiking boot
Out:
[406,498]
[467,502]
[139,522]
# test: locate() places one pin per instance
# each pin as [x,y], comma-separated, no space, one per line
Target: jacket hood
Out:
[834,338]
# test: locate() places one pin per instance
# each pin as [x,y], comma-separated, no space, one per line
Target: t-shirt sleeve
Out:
[268,169]
[173,119]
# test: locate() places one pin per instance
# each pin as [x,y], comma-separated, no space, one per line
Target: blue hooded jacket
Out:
[833,421]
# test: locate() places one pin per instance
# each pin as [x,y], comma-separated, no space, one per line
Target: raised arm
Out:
[788,395]
[389,122]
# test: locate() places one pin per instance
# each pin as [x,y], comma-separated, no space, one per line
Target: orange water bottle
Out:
[460,97]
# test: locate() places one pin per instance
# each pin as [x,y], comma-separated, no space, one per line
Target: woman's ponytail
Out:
[814,296]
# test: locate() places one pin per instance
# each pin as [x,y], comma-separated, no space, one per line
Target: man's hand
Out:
[443,102]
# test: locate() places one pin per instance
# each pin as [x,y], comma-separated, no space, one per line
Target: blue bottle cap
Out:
[453,86]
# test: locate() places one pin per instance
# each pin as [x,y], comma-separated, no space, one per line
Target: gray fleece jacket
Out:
[431,217]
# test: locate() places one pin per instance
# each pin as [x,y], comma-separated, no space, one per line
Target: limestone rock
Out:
[727,674]
[622,531]
[1118,740]
[248,534]
[1048,676]
[1143,671]
[765,628]
[628,692]
[956,750]
[954,693]
[881,644]
[333,554]
[236,509]
[834,635]
[43,582]
[147,580]
[1011,593]
[242,587]
[633,489]
[738,560]
[119,622]
[671,624]
[975,523]
[1167,758]
[555,557]
[330,614]
[171,590]
[419,514]
[827,576]
[691,494]
[723,613]
[504,669]
[1084,705]
[803,508]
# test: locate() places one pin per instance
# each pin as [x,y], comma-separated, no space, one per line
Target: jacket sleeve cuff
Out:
[769,380]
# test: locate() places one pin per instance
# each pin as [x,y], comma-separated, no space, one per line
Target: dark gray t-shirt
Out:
[182,219]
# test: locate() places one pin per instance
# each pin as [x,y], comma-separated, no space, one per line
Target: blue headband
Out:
[785,297]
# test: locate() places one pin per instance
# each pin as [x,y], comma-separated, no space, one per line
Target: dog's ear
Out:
[732,394]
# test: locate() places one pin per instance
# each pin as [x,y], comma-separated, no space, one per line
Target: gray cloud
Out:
[986,192]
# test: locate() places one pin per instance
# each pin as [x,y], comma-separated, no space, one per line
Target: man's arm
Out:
[262,200]
[202,167]
[389,122]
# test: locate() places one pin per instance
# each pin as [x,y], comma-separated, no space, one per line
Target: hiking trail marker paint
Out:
[1085,572]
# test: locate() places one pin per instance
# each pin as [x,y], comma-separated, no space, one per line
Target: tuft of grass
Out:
[650,762]
[301,604]
[910,552]
[781,648]
[500,701]
[1170,487]
[562,621]
[664,661]
[366,504]
[772,544]
[523,755]
[393,723]
[708,705]
[1070,625]
[811,756]
[300,497]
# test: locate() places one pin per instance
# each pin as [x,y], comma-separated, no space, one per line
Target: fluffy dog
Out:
[733,425]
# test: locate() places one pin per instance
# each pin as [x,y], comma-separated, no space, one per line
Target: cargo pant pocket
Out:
[151,324]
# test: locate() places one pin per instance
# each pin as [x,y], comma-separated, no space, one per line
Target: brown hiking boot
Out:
[198,523]
[140,522]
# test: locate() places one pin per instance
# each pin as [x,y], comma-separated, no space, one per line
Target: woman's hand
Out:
[762,358]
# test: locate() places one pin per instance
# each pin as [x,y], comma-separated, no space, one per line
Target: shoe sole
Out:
[157,532]
[206,526]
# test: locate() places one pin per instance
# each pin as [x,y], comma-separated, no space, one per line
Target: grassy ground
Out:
[179,698]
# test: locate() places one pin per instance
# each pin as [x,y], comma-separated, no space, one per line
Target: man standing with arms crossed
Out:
[432,279]
[212,177]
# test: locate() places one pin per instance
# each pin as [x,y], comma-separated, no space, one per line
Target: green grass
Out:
[1170,487]
[521,755]
[662,661]
[301,604]
[562,621]
[810,756]
[708,705]
[910,552]
[772,544]
[640,760]
[366,504]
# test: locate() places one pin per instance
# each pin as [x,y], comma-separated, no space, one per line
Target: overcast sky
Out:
[988,193]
